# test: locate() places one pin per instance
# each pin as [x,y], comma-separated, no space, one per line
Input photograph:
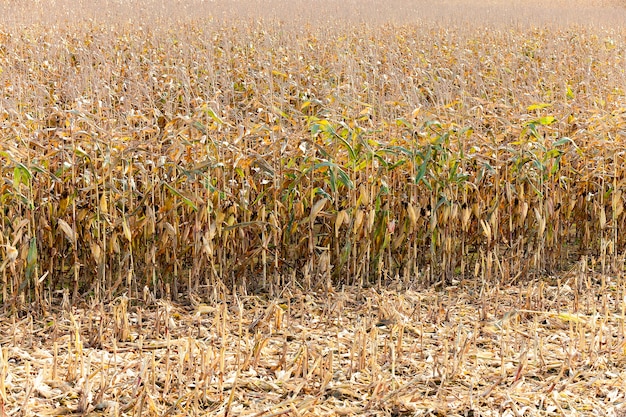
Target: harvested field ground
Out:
[554,347]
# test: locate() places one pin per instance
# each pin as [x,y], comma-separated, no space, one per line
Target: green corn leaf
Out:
[21,175]
[177,193]
[31,264]
[563,141]
[211,113]
[547,120]
[537,106]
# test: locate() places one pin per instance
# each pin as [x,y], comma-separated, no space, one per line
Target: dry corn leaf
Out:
[67,230]
[127,233]
[317,208]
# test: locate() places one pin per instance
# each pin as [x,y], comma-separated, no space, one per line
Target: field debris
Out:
[522,350]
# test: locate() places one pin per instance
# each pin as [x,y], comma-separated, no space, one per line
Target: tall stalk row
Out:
[191,160]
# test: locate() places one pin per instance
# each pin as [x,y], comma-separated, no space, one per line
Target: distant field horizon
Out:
[607,13]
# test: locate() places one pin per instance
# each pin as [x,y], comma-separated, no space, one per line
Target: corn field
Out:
[290,208]
[258,154]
